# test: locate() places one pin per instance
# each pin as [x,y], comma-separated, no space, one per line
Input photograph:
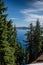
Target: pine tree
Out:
[30,43]
[19,53]
[3,41]
[37,39]
[27,54]
[6,52]
[14,37]
[42,40]
[9,31]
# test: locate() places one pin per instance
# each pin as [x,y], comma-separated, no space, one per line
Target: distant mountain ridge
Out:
[25,27]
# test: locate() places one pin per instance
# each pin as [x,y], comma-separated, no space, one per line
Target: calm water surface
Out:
[21,36]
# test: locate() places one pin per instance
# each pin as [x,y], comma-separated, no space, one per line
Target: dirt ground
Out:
[39,59]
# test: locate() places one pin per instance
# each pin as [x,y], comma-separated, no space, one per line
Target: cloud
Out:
[33,17]
[38,4]
[13,18]
[27,11]
[36,7]
[31,14]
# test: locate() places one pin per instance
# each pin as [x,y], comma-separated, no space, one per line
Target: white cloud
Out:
[30,14]
[38,4]
[27,11]
[32,18]
[13,18]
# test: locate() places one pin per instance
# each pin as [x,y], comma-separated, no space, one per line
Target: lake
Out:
[21,36]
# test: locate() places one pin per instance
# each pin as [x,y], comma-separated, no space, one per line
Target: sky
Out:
[24,12]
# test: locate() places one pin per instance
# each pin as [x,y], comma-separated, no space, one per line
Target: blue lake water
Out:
[21,36]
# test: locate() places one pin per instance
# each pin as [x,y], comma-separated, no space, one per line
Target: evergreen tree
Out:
[19,53]
[9,31]
[42,40]
[27,54]
[6,52]
[3,42]
[42,46]
[30,43]
[37,39]
[14,37]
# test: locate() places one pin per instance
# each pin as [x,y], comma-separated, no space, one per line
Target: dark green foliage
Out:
[3,36]
[27,55]
[29,41]
[6,52]
[14,38]
[37,39]
[9,31]
[42,39]
[2,8]
[42,46]
[19,53]
[34,42]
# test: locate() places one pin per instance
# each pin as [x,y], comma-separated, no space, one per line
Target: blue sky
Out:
[23,12]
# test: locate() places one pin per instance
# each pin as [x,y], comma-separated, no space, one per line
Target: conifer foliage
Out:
[34,42]
[5,50]
[8,40]
[37,39]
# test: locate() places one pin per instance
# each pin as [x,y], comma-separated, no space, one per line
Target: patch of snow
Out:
[36,64]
